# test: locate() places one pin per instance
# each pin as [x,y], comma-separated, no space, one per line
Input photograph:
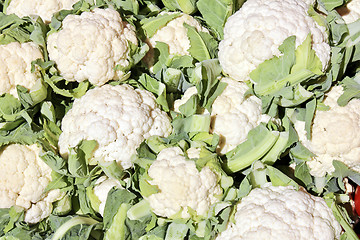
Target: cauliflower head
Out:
[350,12]
[254,33]
[24,179]
[15,62]
[282,213]
[102,187]
[119,118]
[330,142]
[92,46]
[174,34]
[233,114]
[43,8]
[181,185]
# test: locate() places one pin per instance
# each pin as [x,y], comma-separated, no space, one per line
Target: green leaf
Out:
[306,58]
[152,24]
[292,68]
[216,13]
[202,45]
[351,90]
[259,141]
[10,107]
[22,134]
[80,156]
[116,197]
[156,87]
[186,6]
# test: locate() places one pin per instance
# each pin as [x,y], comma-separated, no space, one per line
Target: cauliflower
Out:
[15,62]
[43,8]
[327,143]
[92,46]
[102,187]
[282,213]
[254,33]
[24,177]
[233,114]
[350,12]
[181,185]
[119,118]
[174,34]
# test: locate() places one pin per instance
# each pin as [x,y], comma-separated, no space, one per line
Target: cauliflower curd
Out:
[43,8]
[181,185]
[254,33]
[119,118]
[92,46]
[15,66]
[274,213]
[329,142]
[24,177]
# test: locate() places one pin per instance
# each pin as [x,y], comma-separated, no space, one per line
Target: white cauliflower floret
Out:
[282,213]
[15,66]
[254,33]
[90,46]
[233,114]
[119,118]
[181,185]
[328,141]
[350,12]
[24,177]
[43,8]
[102,187]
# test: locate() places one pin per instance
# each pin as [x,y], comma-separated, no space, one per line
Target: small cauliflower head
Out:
[333,135]
[119,118]
[24,177]
[43,8]
[174,34]
[233,114]
[350,12]
[280,212]
[102,187]
[181,185]
[15,66]
[254,33]
[92,46]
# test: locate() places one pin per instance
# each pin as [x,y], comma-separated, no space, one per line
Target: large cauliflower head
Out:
[233,113]
[181,185]
[15,62]
[119,118]
[330,142]
[282,213]
[351,11]
[254,33]
[92,46]
[43,8]
[24,177]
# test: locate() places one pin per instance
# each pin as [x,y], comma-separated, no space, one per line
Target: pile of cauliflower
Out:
[133,135]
